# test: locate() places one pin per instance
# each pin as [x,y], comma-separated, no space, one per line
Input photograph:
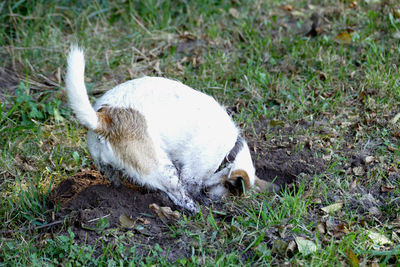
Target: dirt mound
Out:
[86,199]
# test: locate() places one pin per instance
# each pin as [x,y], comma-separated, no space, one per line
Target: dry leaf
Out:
[126,221]
[369,159]
[144,221]
[317,200]
[395,118]
[374,211]
[353,5]
[395,237]
[305,246]
[379,239]
[387,188]
[274,123]
[290,248]
[390,148]
[396,35]
[287,7]
[321,228]
[234,13]
[327,157]
[354,262]
[165,212]
[358,171]
[396,13]
[344,37]
[333,208]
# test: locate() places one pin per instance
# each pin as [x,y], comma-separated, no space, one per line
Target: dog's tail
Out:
[76,89]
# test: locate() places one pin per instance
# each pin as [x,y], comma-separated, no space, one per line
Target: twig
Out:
[33,227]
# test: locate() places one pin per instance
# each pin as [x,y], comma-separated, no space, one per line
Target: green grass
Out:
[254,55]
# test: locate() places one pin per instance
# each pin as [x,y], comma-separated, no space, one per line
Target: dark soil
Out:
[86,197]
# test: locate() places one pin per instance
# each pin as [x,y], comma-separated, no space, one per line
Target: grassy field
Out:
[315,83]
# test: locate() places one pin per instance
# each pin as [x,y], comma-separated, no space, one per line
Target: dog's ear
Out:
[262,186]
[238,182]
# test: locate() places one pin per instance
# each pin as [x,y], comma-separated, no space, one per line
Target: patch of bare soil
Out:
[86,198]
[279,159]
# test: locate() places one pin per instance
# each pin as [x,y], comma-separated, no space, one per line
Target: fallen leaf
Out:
[395,118]
[396,13]
[287,7]
[344,37]
[354,262]
[165,212]
[144,221]
[395,237]
[358,171]
[369,159]
[396,35]
[321,228]
[353,5]
[126,221]
[322,76]
[374,211]
[305,246]
[387,188]
[390,148]
[316,200]
[327,157]
[371,2]
[290,248]
[333,208]
[234,13]
[379,239]
[274,123]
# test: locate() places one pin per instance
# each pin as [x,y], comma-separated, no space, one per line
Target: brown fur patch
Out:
[234,182]
[126,130]
[236,174]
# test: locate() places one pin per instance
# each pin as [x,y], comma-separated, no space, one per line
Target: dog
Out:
[163,135]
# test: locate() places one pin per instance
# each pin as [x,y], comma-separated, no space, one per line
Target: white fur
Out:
[76,90]
[190,131]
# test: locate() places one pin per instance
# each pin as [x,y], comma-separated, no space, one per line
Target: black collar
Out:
[232,154]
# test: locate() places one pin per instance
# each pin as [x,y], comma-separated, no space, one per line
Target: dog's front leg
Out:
[112,174]
[166,179]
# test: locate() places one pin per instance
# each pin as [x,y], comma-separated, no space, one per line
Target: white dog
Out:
[164,135]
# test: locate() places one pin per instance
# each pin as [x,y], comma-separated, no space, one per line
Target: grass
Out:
[253,55]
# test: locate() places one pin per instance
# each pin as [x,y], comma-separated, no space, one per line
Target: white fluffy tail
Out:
[76,89]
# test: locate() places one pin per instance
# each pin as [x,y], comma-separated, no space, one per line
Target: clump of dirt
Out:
[86,198]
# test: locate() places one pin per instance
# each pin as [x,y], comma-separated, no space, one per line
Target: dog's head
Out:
[238,182]
[242,174]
